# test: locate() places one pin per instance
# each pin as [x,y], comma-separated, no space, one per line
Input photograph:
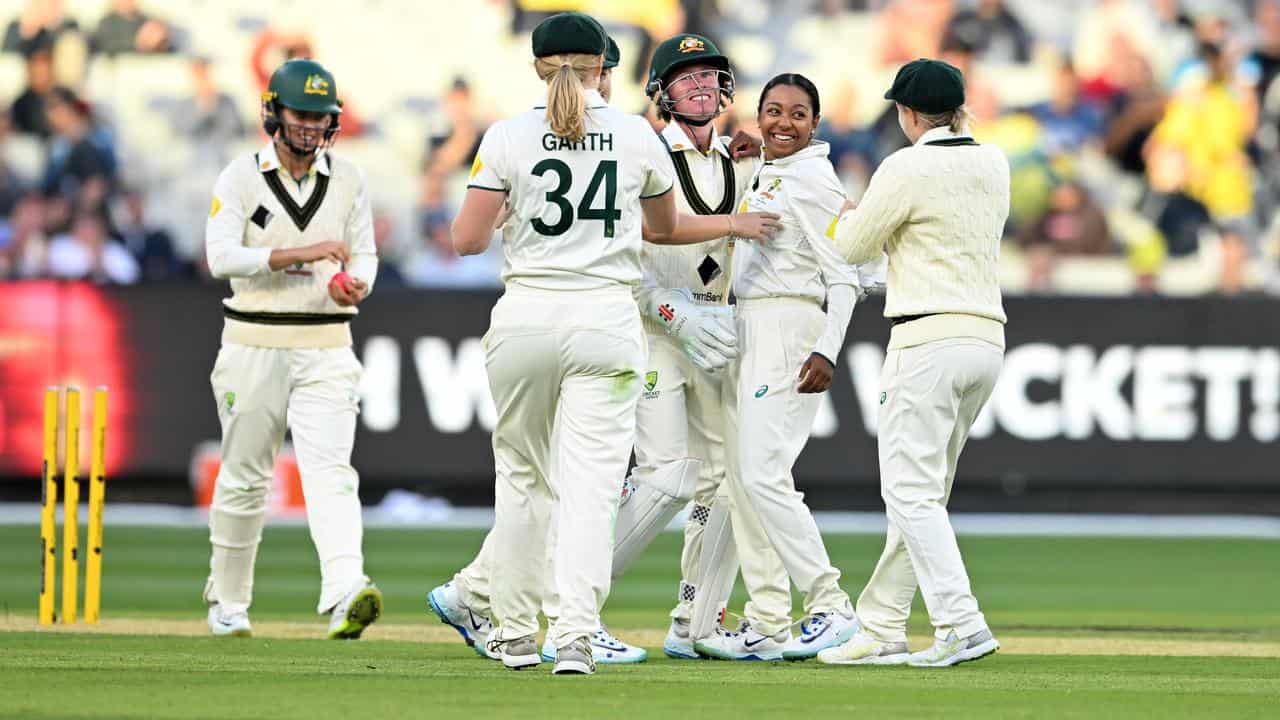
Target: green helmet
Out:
[306,86]
[678,52]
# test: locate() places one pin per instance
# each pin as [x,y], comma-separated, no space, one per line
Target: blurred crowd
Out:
[1152,146]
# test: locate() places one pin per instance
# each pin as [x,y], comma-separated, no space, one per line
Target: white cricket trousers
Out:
[581,354]
[260,392]
[773,422]
[682,416]
[930,395]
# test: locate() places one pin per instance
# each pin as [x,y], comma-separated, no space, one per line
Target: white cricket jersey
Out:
[710,184]
[802,260]
[257,207]
[575,216]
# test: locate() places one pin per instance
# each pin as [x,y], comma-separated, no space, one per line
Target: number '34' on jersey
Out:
[574,214]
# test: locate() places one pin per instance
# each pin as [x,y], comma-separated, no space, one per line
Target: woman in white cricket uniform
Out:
[788,348]
[565,348]
[284,221]
[939,208]
[689,329]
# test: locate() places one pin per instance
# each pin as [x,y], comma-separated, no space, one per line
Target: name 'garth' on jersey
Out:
[573,206]
[593,141]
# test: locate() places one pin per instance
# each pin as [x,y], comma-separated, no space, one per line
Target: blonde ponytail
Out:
[566,96]
[957,121]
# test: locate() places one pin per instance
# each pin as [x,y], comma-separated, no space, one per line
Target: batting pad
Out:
[659,494]
[717,570]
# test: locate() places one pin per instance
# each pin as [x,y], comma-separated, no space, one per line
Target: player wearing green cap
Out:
[565,348]
[938,208]
[290,226]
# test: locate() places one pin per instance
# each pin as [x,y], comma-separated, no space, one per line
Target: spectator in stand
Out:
[126,29]
[912,29]
[40,26]
[852,152]
[1067,123]
[1133,112]
[1097,27]
[993,31]
[1210,120]
[27,114]
[1073,225]
[1178,216]
[389,275]
[81,167]
[438,265]
[150,245]
[86,253]
[453,143]
[271,49]
[212,121]
[23,246]
[1263,63]
[12,187]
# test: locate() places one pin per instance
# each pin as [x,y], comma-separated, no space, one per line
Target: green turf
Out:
[67,676]
[1197,589]
[1024,584]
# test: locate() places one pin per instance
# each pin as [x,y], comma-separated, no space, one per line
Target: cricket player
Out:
[464,602]
[565,348]
[788,350]
[679,444]
[939,208]
[290,226]
[681,414]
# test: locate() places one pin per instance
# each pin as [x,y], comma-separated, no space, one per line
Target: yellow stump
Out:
[97,495]
[49,506]
[70,510]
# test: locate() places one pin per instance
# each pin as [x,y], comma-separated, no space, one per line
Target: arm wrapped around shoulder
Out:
[705,333]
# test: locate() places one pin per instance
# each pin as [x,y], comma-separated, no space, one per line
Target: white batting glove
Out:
[704,332]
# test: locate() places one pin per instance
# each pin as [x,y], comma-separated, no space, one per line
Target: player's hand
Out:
[757,225]
[704,332]
[327,250]
[816,374]
[744,145]
[347,291]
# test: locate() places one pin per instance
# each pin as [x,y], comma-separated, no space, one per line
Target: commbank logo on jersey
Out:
[667,313]
[316,85]
[691,44]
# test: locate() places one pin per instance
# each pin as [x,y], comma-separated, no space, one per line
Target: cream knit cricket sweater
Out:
[938,209]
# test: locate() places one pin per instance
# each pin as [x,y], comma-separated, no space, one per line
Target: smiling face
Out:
[695,91]
[787,120]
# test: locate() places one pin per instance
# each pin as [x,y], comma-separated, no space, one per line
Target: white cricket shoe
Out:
[517,654]
[576,658]
[446,602]
[229,624]
[679,643]
[745,644]
[605,650]
[862,649]
[955,650]
[358,610]
[820,631]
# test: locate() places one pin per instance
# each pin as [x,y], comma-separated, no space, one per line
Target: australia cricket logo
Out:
[650,384]
[316,85]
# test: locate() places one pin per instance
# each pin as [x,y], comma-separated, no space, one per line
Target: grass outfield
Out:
[1091,627]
